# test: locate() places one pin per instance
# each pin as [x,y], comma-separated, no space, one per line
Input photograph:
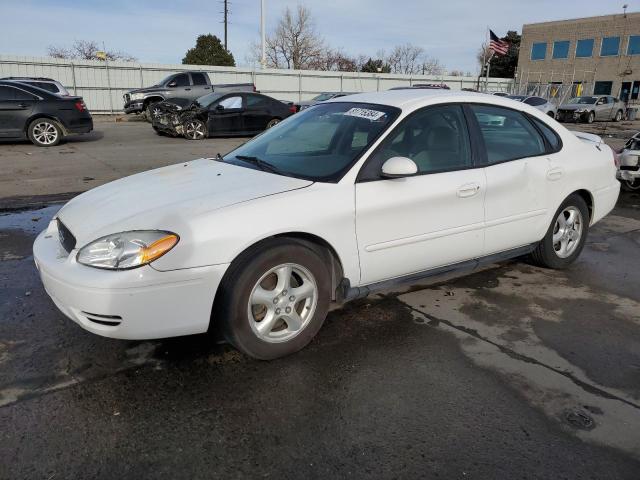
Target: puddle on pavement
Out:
[19,229]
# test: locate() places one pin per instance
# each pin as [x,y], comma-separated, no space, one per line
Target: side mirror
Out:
[399,167]
[219,108]
[172,84]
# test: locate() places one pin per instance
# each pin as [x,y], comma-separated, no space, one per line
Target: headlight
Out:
[137,96]
[125,250]
[580,110]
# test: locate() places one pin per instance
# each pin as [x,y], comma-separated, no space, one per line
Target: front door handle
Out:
[555,173]
[23,105]
[468,190]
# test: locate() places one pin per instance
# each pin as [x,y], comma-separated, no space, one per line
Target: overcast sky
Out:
[161,31]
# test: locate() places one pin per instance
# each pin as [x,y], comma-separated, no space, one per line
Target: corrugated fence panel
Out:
[102,85]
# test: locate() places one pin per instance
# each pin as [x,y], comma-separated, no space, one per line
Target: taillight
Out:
[292,108]
[254,87]
[80,106]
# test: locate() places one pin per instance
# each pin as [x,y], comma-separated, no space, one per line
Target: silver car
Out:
[590,108]
[540,103]
[629,164]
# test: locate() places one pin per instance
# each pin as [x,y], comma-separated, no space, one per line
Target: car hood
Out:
[154,88]
[576,106]
[167,198]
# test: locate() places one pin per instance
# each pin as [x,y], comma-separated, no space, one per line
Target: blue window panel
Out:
[584,48]
[634,45]
[610,46]
[561,49]
[539,51]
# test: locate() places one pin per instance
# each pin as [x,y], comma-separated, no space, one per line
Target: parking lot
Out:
[512,372]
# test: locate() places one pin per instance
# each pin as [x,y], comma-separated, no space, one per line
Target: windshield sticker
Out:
[372,115]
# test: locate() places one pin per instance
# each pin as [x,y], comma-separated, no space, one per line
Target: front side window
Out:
[584,48]
[231,103]
[507,134]
[436,139]
[561,49]
[181,80]
[539,51]
[610,46]
[320,143]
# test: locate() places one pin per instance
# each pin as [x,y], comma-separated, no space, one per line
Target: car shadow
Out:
[74,138]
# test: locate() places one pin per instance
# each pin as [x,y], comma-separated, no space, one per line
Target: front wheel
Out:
[591,117]
[273,301]
[44,132]
[194,129]
[631,185]
[566,235]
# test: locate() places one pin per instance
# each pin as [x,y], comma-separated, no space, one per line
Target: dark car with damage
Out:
[43,117]
[220,114]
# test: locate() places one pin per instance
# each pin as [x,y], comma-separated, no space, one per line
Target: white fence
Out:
[102,84]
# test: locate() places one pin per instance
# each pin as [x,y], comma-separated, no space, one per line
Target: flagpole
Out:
[484,55]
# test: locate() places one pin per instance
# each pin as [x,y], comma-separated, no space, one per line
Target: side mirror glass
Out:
[398,167]
[219,108]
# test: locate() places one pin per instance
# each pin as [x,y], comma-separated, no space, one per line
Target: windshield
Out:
[206,100]
[322,97]
[519,98]
[584,100]
[320,143]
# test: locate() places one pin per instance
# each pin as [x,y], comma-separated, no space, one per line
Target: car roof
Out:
[415,97]
[31,79]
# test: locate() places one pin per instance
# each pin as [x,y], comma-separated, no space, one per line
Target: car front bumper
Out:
[135,106]
[137,304]
[628,175]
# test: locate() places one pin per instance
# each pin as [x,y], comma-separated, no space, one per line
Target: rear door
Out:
[603,108]
[226,116]
[517,173]
[199,85]
[257,113]
[16,106]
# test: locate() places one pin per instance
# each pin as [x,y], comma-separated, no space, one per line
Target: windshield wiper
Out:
[261,164]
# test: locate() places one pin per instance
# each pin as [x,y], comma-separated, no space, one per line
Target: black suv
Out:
[42,117]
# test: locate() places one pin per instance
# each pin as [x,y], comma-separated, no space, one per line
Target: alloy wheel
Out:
[567,231]
[273,123]
[194,130]
[45,133]
[632,185]
[282,303]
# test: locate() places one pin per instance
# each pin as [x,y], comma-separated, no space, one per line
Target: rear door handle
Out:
[207,88]
[555,173]
[468,190]
[187,89]
[23,105]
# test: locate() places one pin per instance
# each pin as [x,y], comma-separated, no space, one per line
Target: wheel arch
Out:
[35,116]
[152,98]
[310,240]
[588,198]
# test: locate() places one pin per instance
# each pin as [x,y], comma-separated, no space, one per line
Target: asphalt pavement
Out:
[511,372]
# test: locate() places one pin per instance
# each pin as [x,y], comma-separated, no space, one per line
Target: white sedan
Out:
[351,196]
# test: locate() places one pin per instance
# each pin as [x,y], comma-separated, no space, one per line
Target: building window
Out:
[584,48]
[561,49]
[610,46]
[602,88]
[538,51]
[634,45]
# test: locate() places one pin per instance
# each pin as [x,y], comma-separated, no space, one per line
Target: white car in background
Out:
[542,104]
[346,198]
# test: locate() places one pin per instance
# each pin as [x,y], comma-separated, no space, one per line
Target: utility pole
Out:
[263,55]
[226,15]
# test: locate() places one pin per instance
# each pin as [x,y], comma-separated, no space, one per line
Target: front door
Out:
[433,219]
[518,170]
[226,116]
[15,108]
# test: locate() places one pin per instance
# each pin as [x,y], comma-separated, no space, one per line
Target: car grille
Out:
[67,240]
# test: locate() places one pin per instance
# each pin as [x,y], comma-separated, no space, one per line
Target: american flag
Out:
[497,46]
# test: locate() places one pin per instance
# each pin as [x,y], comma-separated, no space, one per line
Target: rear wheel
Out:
[551,114]
[194,129]
[273,122]
[566,235]
[274,300]
[631,185]
[44,132]
[618,116]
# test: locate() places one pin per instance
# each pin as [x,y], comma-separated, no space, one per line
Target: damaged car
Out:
[220,114]
[629,164]
[590,108]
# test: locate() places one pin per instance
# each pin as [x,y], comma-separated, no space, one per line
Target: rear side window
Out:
[254,101]
[7,94]
[198,79]
[22,95]
[552,138]
[507,134]
[49,87]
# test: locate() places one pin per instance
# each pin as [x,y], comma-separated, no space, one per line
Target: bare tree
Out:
[456,73]
[406,58]
[432,66]
[335,60]
[87,50]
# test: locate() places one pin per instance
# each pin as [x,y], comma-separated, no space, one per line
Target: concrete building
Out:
[596,55]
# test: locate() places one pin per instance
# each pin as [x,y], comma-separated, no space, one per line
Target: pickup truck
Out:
[184,85]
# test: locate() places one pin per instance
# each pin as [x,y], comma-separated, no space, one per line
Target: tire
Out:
[591,117]
[194,129]
[254,290]
[618,116]
[272,123]
[159,132]
[631,186]
[44,132]
[552,115]
[551,255]
[150,109]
